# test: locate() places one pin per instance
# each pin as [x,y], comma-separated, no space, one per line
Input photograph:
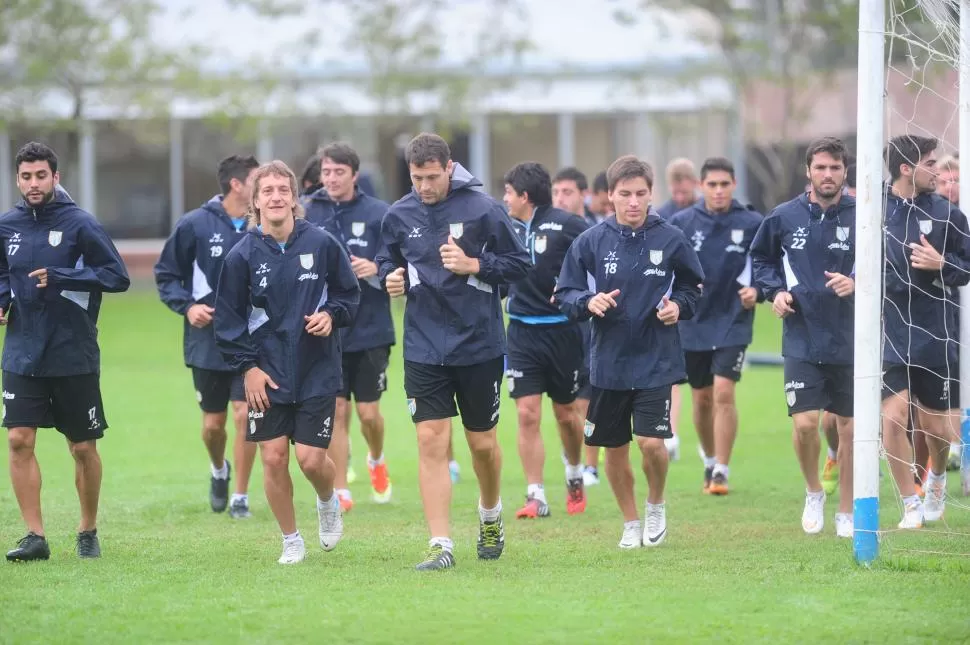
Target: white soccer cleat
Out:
[632,536]
[935,501]
[813,516]
[673,448]
[590,476]
[912,516]
[331,523]
[294,551]
[655,528]
[844,525]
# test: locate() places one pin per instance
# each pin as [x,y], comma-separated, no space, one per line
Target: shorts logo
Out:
[456,230]
[412,406]
[252,426]
[94,422]
[9,396]
[588,428]
[306,261]
[54,237]
[511,381]
[790,397]
[198,396]
[357,228]
[253,415]
[382,382]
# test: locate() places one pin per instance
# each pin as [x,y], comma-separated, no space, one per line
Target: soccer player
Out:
[927,258]
[682,185]
[569,192]
[803,258]
[636,276]
[545,346]
[55,262]
[448,247]
[355,220]
[715,340]
[284,289]
[599,200]
[948,179]
[186,275]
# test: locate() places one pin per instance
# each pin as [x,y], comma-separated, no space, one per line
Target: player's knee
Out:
[806,429]
[213,424]
[482,445]
[368,413]
[433,439]
[703,398]
[723,393]
[84,451]
[21,441]
[566,414]
[652,446]
[311,460]
[275,458]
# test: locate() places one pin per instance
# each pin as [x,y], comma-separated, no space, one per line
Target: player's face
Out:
[600,203]
[338,179]
[718,188]
[518,204]
[631,198]
[924,174]
[36,182]
[948,185]
[274,199]
[243,190]
[683,192]
[567,196]
[431,181]
[826,175]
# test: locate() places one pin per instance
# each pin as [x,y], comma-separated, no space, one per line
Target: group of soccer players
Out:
[611,306]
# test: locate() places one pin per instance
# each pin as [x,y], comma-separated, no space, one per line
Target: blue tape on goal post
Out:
[865,541]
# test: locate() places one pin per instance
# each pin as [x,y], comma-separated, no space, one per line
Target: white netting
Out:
[923,49]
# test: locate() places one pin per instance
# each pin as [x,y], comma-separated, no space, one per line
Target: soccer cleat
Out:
[718,485]
[454,470]
[813,516]
[708,476]
[590,476]
[673,448]
[239,509]
[88,545]
[219,491]
[438,558]
[30,547]
[346,502]
[533,508]
[830,476]
[655,527]
[380,483]
[912,516]
[491,539]
[935,501]
[294,551]
[844,526]
[632,537]
[575,497]
[331,523]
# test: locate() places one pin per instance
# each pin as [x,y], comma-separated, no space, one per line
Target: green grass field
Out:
[734,569]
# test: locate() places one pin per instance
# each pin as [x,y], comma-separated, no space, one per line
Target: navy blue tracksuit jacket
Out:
[721,241]
[631,348]
[187,273]
[53,331]
[357,225]
[451,319]
[796,244]
[265,292]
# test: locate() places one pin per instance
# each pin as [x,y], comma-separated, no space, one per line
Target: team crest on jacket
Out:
[306,261]
[656,257]
[737,235]
[54,237]
[540,244]
[456,230]
[925,226]
[357,228]
[842,233]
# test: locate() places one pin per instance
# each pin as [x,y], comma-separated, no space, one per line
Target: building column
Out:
[736,146]
[176,169]
[566,130]
[645,138]
[479,150]
[264,147]
[87,170]
[6,172]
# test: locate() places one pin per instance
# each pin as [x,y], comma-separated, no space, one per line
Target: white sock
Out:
[489,514]
[293,537]
[537,491]
[237,497]
[818,494]
[220,473]
[342,492]
[651,507]
[324,503]
[632,524]
[832,454]
[444,542]
[709,462]
[721,468]
[911,500]
[933,477]
[574,472]
[375,462]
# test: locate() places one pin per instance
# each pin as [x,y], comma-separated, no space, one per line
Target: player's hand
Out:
[782,305]
[199,315]
[455,260]
[669,312]
[599,304]
[394,283]
[256,381]
[41,275]
[842,285]
[362,268]
[749,297]
[3,317]
[924,256]
[319,324]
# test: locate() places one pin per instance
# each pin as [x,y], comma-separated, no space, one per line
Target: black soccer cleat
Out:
[88,545]
[30,547]
[239,510]
[438,558]
[491,539]
[219,491]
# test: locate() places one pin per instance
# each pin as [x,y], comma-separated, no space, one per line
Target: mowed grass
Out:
[734,569]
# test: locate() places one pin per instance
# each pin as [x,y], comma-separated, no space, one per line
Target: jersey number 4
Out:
[262,281]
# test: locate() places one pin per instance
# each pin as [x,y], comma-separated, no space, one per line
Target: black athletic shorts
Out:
[214,389]
[936,389]
[72,404]
[433,391]
[702,367]
[309,422]
[365,374]
[616,415]
[812,386]
[546,359]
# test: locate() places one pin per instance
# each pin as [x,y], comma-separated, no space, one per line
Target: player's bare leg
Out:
[725,432]
[214,438]
[372,427]
[339,452]
[655,463]
[26,481]
[244,455]
[807,448]
[571,434]
[702,401]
